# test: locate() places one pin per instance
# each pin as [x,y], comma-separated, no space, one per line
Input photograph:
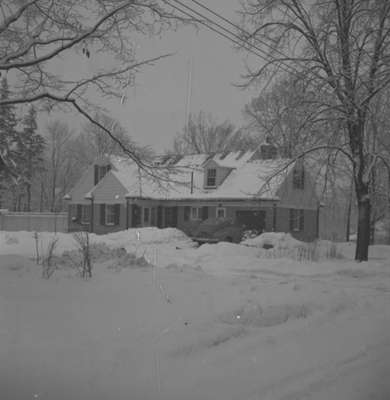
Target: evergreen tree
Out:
[8,137]
[31,146]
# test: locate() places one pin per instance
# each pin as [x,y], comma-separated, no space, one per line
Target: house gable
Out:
[109,190]
[298,190]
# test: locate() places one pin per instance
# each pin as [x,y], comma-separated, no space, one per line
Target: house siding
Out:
[103,229]
[309,232]
[97,227]
[109,191]
[297,198]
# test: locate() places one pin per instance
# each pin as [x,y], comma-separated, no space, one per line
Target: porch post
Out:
[92,216]
[274,217]
[127,213]
[318,221]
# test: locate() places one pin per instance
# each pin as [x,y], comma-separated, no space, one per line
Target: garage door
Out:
[251,219]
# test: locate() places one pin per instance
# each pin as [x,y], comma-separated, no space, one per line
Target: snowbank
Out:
[272,239]
[24,243]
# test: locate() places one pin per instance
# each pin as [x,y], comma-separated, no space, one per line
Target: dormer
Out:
[214,174]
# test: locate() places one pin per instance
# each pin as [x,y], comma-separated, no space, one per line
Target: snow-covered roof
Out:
[248,178]
[234,159]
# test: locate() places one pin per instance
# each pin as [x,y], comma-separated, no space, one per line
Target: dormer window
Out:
[211,177]
[100,171]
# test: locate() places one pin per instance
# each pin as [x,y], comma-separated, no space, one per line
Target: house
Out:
[114,194]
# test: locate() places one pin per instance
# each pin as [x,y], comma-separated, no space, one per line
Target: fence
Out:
[33,221]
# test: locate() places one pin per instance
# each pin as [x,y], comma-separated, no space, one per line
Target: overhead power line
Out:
[246,33]
[242,41]
[234,38]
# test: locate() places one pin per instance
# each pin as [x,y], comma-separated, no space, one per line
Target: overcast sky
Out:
[155,110]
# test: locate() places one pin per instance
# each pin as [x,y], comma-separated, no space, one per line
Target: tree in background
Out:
[35,35]
[68,154]
[342,48]
[287,114]
[203,135]
[101,144]
[379,126]
[60,170]
[29,160]
[8,136]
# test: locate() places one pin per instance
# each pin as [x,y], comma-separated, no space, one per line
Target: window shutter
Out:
[301,220]
[187,211]
[205,212]
[174,216]
[291,219]
[102,214]
[117,211]
[159,217]
[78,215]
[96,176]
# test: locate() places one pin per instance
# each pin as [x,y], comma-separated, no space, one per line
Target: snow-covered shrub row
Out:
[283,245]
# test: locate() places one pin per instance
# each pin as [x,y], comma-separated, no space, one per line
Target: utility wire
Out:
[236,39]
[246,33]
[267,57]
[211,28]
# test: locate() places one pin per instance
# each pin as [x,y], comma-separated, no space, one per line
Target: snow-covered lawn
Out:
[215,322]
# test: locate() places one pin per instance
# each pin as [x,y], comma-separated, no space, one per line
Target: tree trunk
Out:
[41,198]
[362,188]
[28,193]
[363,234]
[53,192]
[349,210]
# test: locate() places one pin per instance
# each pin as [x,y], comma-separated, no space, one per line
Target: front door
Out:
[171,217]
[135,216]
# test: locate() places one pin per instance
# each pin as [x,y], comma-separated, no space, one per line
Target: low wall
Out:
[33,221]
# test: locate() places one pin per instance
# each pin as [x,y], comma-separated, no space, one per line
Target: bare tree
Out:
[286,113]
[342,47]
[83,242]
[203,135]
[99,143]
[36,35]
[58,160]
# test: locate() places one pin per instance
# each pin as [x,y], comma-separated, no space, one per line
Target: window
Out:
[85,214]
[146,215]
[221,212]
[211,177]
[153,216]
[297,220]
[299,178]
[187,213]
[110,214]
[196,213]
